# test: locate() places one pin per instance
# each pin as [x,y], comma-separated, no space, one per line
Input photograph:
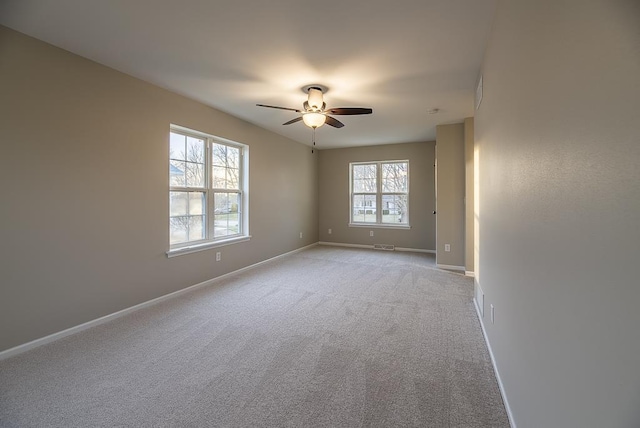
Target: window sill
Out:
[206,246]
[380,226]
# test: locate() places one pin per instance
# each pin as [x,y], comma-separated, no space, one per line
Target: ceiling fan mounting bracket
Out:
[321,88]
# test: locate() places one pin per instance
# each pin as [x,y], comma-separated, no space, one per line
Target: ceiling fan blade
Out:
[334,122]
[297,119]
[350,110]
[281,108]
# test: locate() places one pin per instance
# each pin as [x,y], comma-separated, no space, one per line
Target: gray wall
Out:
[450,191]
[334,195]
[84,215]
[469,221]
[558,140]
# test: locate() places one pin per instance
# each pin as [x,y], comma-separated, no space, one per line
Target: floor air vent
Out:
[386,247]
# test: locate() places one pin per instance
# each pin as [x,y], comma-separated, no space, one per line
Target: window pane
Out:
[178,203]
[196,203]
[196,229]
[221,225]
[394,209]
[226,214]
[186,229]
[177,145]
[226,178]
[195,150]
[195,174]
[225,203]
[364,209]
[356,172]
[226,224]
[367,171]
[178,227]
[226,167]
[364,178]
[233,157]
[219,155]
[394,177]
[177,173]
[233,181]
[219,178]
[234,202]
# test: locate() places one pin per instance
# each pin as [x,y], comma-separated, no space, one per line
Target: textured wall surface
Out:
[334,195]
[450,191]
[558,142]
[84,216]
[469,220]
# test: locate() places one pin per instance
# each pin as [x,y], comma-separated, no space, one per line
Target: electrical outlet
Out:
[447,247]
[493,314]
[300,235]
[371,233]
[218,256]
[329,231]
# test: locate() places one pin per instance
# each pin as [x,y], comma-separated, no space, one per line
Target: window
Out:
[207,193]
[379,193]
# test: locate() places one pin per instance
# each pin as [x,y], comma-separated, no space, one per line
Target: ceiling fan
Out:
[314,112]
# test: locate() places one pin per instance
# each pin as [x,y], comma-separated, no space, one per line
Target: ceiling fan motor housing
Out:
[315,100]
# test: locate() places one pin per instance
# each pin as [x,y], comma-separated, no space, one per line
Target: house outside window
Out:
[207,190]
[379,193]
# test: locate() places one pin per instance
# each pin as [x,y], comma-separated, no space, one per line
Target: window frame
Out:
[379,193]
[210,240]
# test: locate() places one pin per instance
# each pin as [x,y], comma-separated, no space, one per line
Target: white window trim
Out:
[209,243]
[378,224]
[194,248]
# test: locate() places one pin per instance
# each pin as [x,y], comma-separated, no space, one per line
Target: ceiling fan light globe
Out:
[314,120]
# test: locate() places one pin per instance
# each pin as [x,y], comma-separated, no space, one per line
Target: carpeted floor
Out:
[328,337]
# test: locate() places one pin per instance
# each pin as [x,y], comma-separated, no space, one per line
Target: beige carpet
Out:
[328,337]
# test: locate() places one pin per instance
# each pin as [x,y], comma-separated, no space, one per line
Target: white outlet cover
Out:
[329,231]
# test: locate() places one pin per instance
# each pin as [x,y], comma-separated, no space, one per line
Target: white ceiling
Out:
[400,57]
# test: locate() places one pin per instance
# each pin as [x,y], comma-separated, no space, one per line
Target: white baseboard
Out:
[470,273]
[450,267]
[512,421]
[415,250]
[340,244]
[93,323]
